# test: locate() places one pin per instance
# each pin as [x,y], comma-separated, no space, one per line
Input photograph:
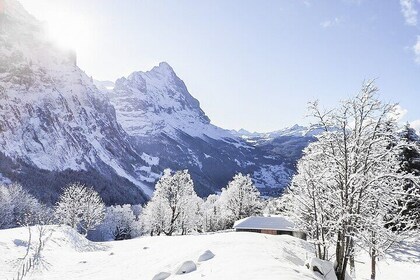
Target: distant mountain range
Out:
[57,126]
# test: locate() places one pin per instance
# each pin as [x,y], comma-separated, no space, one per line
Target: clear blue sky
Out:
[252,64]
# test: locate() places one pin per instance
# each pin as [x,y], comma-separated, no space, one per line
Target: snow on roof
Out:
[273,223]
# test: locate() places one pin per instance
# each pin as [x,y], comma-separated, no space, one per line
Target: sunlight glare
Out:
[69,32]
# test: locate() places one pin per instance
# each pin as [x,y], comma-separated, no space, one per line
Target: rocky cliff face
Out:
[52,117]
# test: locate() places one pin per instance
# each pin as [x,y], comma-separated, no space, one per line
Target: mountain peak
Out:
[162,100]
[165,71]
[164,66]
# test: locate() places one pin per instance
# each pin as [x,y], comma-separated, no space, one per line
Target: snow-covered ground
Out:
[403,262]
[67,255]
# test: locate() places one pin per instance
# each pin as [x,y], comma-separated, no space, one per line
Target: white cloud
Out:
[416,125]
[307,3]
[416,50]
[330,22]
[409,11]
[400,113]
[326,23]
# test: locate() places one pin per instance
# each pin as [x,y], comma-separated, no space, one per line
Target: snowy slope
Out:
[237,255]
[52,117]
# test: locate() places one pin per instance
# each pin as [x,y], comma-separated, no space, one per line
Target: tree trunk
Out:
[342,255]
[338,256]
[352,267]
[352,264]
[373,264]
[318,250]
[324,247]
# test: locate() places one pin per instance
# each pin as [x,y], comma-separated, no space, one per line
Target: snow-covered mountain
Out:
[287,143]
[295,131]
[55,126]
[156,102]
[166,121]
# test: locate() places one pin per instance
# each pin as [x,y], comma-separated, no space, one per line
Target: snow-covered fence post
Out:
[25,268]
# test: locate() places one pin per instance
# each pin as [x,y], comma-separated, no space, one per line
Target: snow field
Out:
[68,255]
[227,255]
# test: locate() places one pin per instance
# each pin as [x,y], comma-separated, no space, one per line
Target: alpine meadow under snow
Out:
[131,180]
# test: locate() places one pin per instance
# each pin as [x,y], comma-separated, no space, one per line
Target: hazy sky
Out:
[251,64]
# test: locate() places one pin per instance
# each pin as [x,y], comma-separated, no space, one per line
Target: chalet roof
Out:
[272,222]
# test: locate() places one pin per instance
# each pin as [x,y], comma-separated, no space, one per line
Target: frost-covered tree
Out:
[349,182]
[274,206]
[156,216]
[119,223]
[215,214]
[212,214]
[240,199]
[19,208]
[191,218]
[170,207]
[80,207]
[307,199]
[137,210]
[6,210]
[69,206]
[93,210]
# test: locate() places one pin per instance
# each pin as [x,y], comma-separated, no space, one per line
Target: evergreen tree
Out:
[410,163]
